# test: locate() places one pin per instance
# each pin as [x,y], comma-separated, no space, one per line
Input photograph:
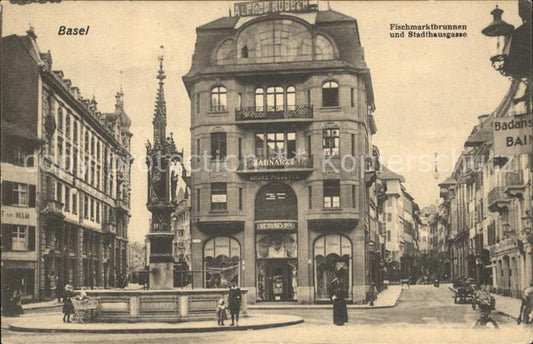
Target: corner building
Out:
[282,99]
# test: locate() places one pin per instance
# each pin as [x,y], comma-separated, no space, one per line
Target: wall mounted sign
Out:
[513,135]
[273,177]
[256,8]
[275,225]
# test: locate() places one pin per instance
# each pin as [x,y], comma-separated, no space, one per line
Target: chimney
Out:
[75,92]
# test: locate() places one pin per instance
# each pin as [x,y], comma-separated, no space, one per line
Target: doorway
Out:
[276,280]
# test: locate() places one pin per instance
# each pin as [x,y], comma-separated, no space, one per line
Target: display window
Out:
[222,257]
[332,258]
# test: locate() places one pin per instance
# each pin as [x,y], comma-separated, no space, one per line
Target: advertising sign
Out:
[278,225]
[257,8]
[513,135]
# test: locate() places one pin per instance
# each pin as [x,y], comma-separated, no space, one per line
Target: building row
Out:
[65,179]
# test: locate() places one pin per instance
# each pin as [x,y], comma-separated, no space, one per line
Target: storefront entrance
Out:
[276,243]
[276,280]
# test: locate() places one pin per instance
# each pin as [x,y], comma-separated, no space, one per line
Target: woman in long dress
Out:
[336,294]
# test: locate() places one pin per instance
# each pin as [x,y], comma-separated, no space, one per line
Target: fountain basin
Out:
[119,305]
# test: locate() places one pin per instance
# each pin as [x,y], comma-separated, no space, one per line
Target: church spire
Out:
[160,113]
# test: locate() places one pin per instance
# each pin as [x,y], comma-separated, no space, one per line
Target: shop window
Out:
[330,94]
[277,245]
[330,142]
[218,146]
[219,196]
[222,256]
[218,98]
[332,190]
[332,256]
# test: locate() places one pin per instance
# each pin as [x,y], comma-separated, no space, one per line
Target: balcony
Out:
[53,209]
[122,204]
[498,200]
[514,181]
[109,228]
[255,115]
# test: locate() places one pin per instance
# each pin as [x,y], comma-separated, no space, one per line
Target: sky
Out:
[428,91]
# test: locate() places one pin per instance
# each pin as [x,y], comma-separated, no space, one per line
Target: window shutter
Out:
[6,238]
[32,196]
[31,238]
[7,193]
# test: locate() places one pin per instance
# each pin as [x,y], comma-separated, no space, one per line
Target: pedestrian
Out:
[234,303]
[68,307]
[373,293]
[221,312]
[526,306]
[336,294]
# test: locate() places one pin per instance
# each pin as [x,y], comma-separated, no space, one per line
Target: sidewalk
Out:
[507,305]
[386,299]
[52,322]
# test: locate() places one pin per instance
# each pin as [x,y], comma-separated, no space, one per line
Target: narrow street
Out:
[424,314]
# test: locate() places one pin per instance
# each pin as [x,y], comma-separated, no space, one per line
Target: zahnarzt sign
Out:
[513,135]
[256,8]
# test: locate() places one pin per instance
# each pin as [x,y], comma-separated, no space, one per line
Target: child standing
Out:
[221,312]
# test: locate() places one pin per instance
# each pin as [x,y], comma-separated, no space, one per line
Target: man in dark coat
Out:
[234,303]
[336,294]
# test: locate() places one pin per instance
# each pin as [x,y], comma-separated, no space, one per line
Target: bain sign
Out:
[513,135]
[256,8]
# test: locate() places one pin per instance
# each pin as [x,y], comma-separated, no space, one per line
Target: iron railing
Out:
[270,112]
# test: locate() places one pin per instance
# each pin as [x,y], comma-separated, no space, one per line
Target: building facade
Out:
[491,206]
[281,99]
[19,210]
[401,219]
[83,187]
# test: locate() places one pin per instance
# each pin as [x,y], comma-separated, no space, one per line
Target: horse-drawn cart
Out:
[464,294]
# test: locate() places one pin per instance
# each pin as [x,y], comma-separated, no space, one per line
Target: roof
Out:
[330,16]
[448,181]
[386,174]
[220,23]
[17,130]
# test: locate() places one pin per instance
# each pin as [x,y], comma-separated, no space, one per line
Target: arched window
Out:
[259,99]
[324,48]
[218,98]
[291,98]
[225,53]
[222,257]
[274,99]
[333,258]
[330,94]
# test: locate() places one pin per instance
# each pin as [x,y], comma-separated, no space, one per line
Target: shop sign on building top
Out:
[256,8]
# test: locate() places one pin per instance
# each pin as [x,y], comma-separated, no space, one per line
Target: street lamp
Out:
[510,48]
[498,35]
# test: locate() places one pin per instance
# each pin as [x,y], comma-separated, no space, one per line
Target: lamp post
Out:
[510,48]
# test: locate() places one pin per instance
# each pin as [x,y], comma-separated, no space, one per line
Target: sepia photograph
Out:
[266,171]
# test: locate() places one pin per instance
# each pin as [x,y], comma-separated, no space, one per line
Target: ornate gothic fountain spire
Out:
[160,114]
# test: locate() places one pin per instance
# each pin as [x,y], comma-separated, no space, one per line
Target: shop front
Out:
[276,243]
[332,259]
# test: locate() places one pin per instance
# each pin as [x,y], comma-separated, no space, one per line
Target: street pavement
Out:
[423,314]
